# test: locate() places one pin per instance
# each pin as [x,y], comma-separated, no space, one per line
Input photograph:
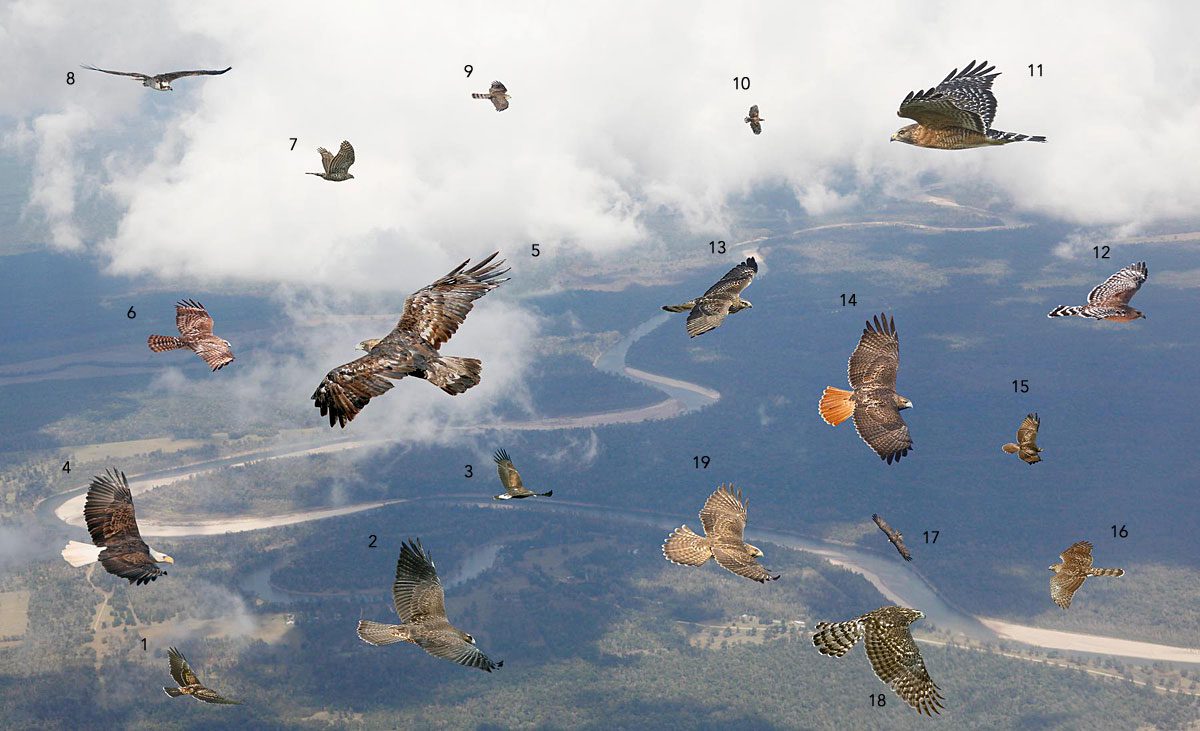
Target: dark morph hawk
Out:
[337,167]
[1075,567]
[421,605]
[1026,446]
[161,82]
[723,518]
[894,655]
[873,403]
[195,327]
[498,95]
[721,299]
[893,535]
[511,479]
[189,684]
[1110,299]
[755,121]
[118,547]
[431,315]
[957,113]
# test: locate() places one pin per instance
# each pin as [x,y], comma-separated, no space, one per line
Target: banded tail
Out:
[376,633]
[837,639]
[81,554]
[1105,572]
[173,692]
[454,375]
[1068,311]
[481,96]
[685,307]
[836,406]
[159,343]
[1003,138]
[686,548]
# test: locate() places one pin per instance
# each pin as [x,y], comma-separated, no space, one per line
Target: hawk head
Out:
[740,305]
[466,637]
[754,551]
[368,344]
[903,403]
[1055,567]
[905,134]
[1136,314]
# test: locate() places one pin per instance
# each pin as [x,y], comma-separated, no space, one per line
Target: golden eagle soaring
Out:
[431,316]
[118,547]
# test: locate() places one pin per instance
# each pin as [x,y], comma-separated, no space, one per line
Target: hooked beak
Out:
[168,559]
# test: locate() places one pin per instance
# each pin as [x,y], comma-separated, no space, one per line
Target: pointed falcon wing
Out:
[962,100]
[169,77]
[134,74]
[417,591]
[434,313]
[710,309]
[893,535]
[1121,286]
[181,672]
[342,161]
[509,477]
[448,645]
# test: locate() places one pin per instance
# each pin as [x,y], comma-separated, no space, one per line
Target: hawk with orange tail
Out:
[873,403]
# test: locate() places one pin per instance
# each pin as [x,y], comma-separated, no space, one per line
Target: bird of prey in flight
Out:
[337,167]
[893,535]
[189,684]
[755,121]
[723,518]
[431,315]
[873,403]
[956,114]
[1109,300]
[1075,567]
[498,95]
[108,512]
[511,479]
[723,298]
[195,327]
[421,604]
[1026,446]
[161,82]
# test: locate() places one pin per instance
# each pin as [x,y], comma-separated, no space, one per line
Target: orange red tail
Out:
[836,405]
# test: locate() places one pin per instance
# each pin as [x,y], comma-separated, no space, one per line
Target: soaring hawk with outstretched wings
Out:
[497,94]
[511,479]
[956,114]
[873,403]
[118,545]
[893,535]
[893,653]
[1075,567]
[723,518]
[189,684]
[195,327]
[755,121]
[1109,300]
[1026,446]
[431,315]
[336,167]
[421,605]
[723,298]
[160,82]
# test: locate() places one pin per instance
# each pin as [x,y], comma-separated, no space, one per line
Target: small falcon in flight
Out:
[1110,299]
[511,479]
[755,121]
[1075,567]
[1026,445]
[108,512]
[161,82]
[723,298]
[873,403]
[894,655]
[893,535]
[431,315]
[421,604]
[337,167]
[498,95]
[189,684]
[195,327]
[957,114]
[723,518]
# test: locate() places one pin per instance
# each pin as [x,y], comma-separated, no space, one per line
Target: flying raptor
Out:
[189,684]
[1109,300]
[431,315]
[421,604]
[195,327]
[723,518]
[498,95]
[755,121]
[1026,446]
[893,535]
[1075,567]
[873,403]
[337,167]
[511,479]
[723,298]
[108,512]
[161,82]
[956,114]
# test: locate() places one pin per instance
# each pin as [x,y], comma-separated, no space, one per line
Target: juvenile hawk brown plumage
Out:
[1109,300]
[336,167]
[1026,445]
[723,518]
[1075,567]
[497,94]
[195,327]
[723,298]
[755,121]
[189,684]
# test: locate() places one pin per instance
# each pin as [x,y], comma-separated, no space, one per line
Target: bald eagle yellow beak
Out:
[167,559]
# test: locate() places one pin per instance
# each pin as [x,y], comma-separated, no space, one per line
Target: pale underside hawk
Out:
[723,298]
[1075,567]
[723,518]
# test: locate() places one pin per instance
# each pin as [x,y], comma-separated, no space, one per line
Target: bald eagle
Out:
[118,547]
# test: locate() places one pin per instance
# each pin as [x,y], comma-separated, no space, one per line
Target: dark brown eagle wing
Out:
[181,672]
[169,77]
[108,513]
[712,307]
[347,389]
[893,535]
[435,312]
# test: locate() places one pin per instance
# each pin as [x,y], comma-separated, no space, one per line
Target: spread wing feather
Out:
[710,309]
[108,513]
[181,672]
[449,646]
[897,661]
[326,159]
[169,77]
[737,559]
[341,162]
[417,591]
[1120,287]
[192,319]
[724,515]
[347,389]
[962,100]
[509,477]
[872,371]
[893,535]
[434,313]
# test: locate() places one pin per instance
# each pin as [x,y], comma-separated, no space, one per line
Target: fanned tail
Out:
[836,406]
[686,548]
[81,554]
[1011,448]
[1105,572]
[454,375]
[376,633]
[1003,138]
[837,639]
[685,307]
[159,343]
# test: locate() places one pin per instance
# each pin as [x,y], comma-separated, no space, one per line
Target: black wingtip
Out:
[500,456]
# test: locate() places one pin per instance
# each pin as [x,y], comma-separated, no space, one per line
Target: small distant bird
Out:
[1026,446]
[894,655]
[189,684]
[723,518]
[755,121]
[108,512]
[1110,299]
[421,604]
[498,95]
[893,535]
[511,479]
[431,316]
[957,114]
[337,167]
[1075,567]
[161,82]
[195,327]
[873,403]
[723,298]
